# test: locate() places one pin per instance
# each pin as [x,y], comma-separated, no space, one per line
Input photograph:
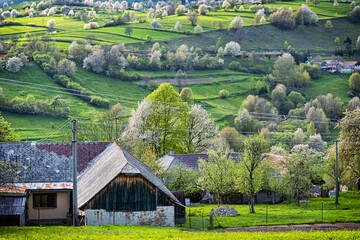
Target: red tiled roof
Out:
[10,189]
[2,56]
[86,151]
[350,63]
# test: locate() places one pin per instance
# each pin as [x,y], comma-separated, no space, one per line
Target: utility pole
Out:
[336,173]
[75,203]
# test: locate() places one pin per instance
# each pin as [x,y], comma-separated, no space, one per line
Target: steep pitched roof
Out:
[113,161]
[50,162]
[190,160]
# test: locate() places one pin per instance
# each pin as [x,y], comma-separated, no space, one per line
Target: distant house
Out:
[350,67]
[188,160]
[12,206]
[101,166]
[2,56]
[331,65]
[316,59]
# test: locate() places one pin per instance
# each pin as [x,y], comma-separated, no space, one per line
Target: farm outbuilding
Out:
[119,189]
[12,205]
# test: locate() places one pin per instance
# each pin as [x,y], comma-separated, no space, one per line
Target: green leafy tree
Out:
[217,173]
[250,175]
[182,178]
[56,101]
[187,95]
[354,82]
[302,168]
[11,172]
[128,31]
[193,17]
[158,121]
[6,133]
[349,150]
[219,43]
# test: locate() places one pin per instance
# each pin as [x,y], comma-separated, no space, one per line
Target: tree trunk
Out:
[252,203]
[249,202]
[218,200]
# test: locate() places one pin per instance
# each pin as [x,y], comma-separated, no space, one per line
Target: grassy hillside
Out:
[262,37]
[265,37]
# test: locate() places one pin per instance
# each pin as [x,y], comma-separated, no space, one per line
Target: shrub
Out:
[235,66]
[224,93]
[14,65]
[66,67]
[282,19]
[100,102]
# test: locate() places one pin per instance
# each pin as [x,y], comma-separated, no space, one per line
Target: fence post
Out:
[322,211]
[202,215]
[211,222]
[189,218]
[266,213]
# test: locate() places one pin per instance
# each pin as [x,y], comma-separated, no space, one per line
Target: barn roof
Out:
[50,162]
[107,167]
[12,205]
[190,160]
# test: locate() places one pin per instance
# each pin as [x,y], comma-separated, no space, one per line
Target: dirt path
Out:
[195,80]
[303,228]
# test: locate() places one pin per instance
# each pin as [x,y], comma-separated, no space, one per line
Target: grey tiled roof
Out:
[190,160]
[50,162]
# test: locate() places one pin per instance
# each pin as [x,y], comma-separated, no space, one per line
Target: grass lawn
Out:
[284,214]
[139,232]
[337,84]
[37,127]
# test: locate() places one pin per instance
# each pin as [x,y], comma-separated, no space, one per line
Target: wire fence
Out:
[267,215]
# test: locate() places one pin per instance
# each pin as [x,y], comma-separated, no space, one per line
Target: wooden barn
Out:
[119,189]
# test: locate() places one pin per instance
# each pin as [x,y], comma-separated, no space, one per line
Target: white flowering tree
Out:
[155,24]
[236,23]
[14,64]
[232,49]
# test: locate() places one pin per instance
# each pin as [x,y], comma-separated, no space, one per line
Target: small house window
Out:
[44,200]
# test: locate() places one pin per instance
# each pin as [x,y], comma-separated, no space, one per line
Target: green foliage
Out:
[6,133]
[235,66]
[296,98]
[182,178]
[217,173]
[11,172]
[354,82]
[186,95]
[250,171]
[349,151]
[224,93]
[165,118]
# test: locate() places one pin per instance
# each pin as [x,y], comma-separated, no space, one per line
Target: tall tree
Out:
[158,121]
[202,130]
[302,168]
[217,173]
[349,150]
[250,171]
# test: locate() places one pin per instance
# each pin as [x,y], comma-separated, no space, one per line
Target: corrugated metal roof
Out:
[47,186]
[12,205]
[12,190]
[106,167]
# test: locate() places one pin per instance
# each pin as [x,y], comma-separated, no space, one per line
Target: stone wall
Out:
[163,216]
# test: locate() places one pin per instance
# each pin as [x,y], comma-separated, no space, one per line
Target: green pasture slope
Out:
[265,37]
[139,232]
[73,29]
